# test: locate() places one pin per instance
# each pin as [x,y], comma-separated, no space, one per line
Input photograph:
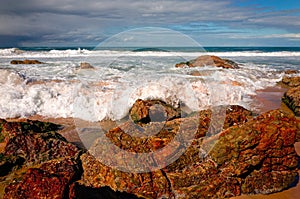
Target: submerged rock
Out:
[289,72]
[86,65]
[209,60]
[26,61]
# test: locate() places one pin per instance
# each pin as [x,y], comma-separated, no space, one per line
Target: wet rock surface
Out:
[50,180]
[292,96]
[292,99]
[220,156]
[209,60]
[26,61]
[35,161]
[146,111]
[249,153]
[291,81]
[86,65]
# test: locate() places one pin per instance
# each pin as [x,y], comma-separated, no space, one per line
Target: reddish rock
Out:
[289,72]
[26,61]
[237,161]
[145,111]
[50,180]
[209,60]
[292,99]
[86,65]
[291,81]
[34,142]
[248,153]
[149,185]
[35,161]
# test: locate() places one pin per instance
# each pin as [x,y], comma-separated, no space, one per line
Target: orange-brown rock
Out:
[209,60]
[26,61]
[36,161]
[145,111]
[50,180]
[86,65]
[289,72]
[291,81]
[237,162]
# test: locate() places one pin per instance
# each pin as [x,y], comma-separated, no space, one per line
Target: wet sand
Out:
[269,99]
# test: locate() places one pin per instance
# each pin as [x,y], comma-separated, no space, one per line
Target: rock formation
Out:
[86,65]
[251,152]
[249,155]
[291,81]
[145,111]
[35,161]
[292,97]
[209,60]
[26,61]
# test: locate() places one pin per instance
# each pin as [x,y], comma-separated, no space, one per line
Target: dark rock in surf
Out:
[290,72]
[26,61]
[209,60]
[85,65]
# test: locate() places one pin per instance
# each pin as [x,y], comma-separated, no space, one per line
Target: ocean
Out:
[59,88]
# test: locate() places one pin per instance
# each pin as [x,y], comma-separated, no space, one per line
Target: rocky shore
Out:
[250,154]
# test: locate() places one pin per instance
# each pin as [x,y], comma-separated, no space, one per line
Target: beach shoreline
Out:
[268,99]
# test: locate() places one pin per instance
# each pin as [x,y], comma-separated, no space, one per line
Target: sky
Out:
[27,23]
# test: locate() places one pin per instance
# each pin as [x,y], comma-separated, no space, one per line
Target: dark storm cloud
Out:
[52,22]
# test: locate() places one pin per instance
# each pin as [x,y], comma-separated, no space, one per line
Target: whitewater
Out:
[59,88]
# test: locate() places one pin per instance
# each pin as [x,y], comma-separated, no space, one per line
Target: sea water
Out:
[59,88]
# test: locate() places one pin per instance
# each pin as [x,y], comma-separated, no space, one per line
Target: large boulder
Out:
[238,160]
[209,60]
[26,61]
[50,180]
[36,161]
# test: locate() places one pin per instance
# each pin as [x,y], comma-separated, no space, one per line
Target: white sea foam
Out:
[16,53]
[121,77]
[110,98]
